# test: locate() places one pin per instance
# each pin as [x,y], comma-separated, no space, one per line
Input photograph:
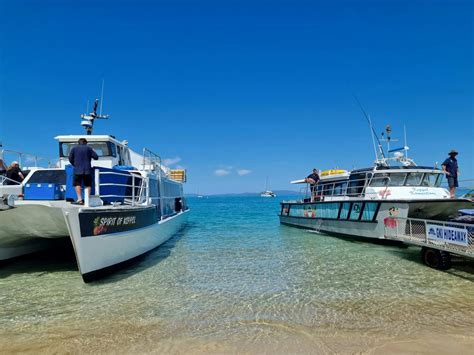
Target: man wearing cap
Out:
[312,180]
[450,168]
[80,158]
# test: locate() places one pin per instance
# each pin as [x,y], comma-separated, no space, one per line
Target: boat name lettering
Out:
[421,191]
[117,221]
[447,234]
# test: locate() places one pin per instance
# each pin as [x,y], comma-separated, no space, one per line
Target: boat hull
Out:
[383,215]
[95,253]
[29,228]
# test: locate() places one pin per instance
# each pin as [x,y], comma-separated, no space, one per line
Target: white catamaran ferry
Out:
[367,202]
[136,204]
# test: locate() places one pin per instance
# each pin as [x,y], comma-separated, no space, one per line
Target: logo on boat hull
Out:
[309,212]
[391,220]
[104,223]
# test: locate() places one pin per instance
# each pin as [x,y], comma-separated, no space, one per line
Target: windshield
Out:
[431,180]
[379,180]
[103,149]
[404,179]
[414,179]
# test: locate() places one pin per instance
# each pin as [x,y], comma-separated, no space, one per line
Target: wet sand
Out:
[267,338]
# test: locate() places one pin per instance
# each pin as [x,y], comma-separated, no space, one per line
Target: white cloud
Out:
[243,172]
[171,161]
[222,172]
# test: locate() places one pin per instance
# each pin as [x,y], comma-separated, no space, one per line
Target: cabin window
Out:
[379,180]
[328,210]
[414,179]
[369,211]
[356,210]
[285,210]
[328,189]
[103,149]
[340,188]
[397,179]
[113,150]
[346,206]
[48,177]
[431,180]
[356,184]
[296,211]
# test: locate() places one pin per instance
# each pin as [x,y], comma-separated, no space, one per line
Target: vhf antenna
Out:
[372,131]
[88,119]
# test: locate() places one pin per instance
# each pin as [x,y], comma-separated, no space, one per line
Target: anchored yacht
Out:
[267,192]
[135,205]
[365,202]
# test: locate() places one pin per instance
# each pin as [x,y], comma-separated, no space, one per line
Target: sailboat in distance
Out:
[267,192]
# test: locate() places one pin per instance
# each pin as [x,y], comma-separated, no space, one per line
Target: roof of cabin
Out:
[91,138]
[363,170]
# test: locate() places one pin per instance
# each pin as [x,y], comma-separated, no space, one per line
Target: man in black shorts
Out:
[313,180]
[80,158]
[450,168]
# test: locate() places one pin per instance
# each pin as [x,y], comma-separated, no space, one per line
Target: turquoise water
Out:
[236,280]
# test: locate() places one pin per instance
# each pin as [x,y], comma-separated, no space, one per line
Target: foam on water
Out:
[234,279]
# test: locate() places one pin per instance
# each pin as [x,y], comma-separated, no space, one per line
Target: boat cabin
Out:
[387,182]
[111,152]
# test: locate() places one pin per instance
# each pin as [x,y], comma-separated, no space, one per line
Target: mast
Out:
[379,155]
[88,119]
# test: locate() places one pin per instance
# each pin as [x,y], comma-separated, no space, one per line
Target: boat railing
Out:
[7,181]
[345,188]
[151,162]
[138,190]
[358,187]
[25,159]
[449,236]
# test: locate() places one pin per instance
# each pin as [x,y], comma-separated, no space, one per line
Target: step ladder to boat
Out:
[438,239]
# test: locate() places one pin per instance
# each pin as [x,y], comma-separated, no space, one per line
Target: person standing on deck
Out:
[80,158]
[14,174]
[313,180]
[450,168]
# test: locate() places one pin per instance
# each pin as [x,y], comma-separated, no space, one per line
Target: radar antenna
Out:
[88,119]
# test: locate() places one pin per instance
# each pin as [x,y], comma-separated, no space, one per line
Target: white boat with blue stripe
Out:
[135,205]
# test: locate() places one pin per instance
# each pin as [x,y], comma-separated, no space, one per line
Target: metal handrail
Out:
[3,179]
[141,198]
[151,160]
[20,155]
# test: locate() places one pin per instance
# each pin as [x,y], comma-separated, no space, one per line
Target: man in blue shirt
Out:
[450,168]
[80,158]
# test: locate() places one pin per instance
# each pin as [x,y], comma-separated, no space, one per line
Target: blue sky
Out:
[260,88]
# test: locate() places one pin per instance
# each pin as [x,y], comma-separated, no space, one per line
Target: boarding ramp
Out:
[446,236]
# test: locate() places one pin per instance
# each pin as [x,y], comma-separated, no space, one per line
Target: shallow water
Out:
[235,280]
